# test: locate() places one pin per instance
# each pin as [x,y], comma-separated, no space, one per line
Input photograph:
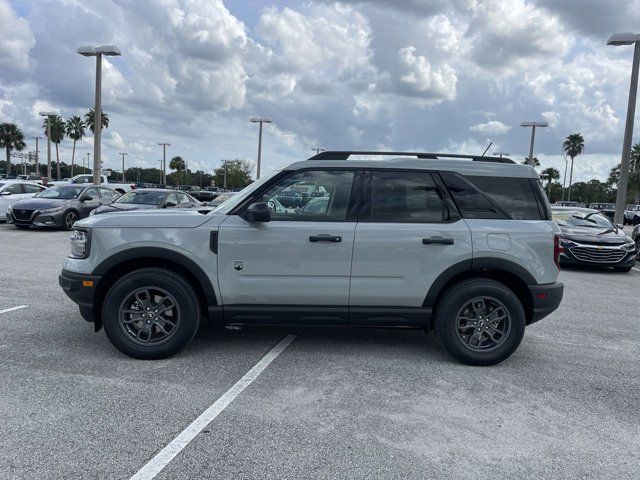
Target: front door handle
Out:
[437,241]
[325,238]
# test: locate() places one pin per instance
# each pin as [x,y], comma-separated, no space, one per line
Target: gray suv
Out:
[463,245]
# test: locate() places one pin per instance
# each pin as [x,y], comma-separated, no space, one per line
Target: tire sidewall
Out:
[463,292]
[185,298]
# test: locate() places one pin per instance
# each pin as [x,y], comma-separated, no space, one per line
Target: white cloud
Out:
[421,78]
[16,41]
[492,127]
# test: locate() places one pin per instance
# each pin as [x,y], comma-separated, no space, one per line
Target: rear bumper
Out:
[80,288]
[546,299]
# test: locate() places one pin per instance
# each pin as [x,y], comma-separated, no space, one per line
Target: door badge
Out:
[238,265]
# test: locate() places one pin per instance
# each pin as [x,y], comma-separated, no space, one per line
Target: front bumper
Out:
[37,219]
[598,256]
[546,299]
[80,288]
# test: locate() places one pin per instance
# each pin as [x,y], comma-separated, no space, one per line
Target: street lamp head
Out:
[48,114]
[259,120]
[618,39]
[87,51]
[109,50]
[534,124]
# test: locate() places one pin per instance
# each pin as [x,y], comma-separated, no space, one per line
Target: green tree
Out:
[534,162]
[549,175]
[573,146]
[179,165]
[75,130]
[11,138]
[89,119]
[238,173]
[57,135]
[633,191]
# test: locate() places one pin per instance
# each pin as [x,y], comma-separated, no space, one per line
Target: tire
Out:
[70,218]
[636,220]
[622,269]
[127,331]
[470,344]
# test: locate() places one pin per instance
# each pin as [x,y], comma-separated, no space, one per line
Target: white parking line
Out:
[636,269]
[7,310]
[168,453]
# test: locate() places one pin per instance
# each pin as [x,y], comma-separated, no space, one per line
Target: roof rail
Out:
[344,155]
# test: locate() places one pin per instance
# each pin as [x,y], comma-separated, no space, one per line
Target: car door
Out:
[183,201]
[85,206]
[16,193]
[297,265]
[408,233]
[107,195]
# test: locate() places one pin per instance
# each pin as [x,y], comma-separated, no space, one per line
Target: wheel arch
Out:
[127,261]
[510,274]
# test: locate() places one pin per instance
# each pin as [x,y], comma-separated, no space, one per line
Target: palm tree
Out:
[11,138]
[534,162]
[57,135]
[89,119]
[178,164]
[75,131]
[549,175]
[573,146]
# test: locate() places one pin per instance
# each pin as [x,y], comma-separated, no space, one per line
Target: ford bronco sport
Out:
[461,244]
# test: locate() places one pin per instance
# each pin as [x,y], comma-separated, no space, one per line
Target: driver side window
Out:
[310,196]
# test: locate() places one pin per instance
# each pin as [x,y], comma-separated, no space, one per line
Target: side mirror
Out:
[86,198]
[620,227]
[169,204]
[257,212]
[5,193]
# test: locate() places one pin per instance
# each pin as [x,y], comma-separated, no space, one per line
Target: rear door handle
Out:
[325,238]
[437,241]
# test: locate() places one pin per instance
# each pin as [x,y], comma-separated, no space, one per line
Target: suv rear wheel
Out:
[480,321]
[151,313]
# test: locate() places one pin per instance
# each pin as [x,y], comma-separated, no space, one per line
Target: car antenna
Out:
[485,150]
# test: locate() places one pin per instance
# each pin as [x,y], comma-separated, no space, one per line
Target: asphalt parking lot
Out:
[336,403]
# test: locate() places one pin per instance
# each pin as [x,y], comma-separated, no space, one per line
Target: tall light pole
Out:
[500,153]
[88,160]
[317,150]
[533,126]
[618,39]
[259,120]
[98,52]
[48,115]
[123,154]
[163,176]
[564,180]
[37,137]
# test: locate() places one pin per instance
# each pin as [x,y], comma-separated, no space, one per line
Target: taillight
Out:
[557,250]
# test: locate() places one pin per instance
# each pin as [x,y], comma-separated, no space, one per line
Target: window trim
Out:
[350,214]
[501,210]
[449,215]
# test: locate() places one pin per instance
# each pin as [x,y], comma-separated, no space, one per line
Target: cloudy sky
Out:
[434,75]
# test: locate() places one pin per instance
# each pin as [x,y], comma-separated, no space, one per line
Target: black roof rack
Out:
[344,155]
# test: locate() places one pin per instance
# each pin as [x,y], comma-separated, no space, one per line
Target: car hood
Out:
[123,207]
[150,218]
[591,235]
[40,203]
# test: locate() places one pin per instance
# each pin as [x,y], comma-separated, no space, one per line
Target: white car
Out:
[632,215]
[13,190]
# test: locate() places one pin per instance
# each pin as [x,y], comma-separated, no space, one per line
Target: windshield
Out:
[1,184]
[142,198]
[63,193]
[576,218]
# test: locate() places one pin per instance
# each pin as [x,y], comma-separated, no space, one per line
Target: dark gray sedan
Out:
[147,198]
[59,206]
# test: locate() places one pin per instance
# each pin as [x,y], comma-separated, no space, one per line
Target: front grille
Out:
[593,254]
[22,214]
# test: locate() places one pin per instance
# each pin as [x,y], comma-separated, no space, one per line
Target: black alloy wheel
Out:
[70,218]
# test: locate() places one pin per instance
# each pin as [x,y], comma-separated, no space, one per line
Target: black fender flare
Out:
[472,265]
[157,253]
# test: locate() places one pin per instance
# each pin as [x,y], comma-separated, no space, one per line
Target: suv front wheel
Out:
[480,321]
[151,313]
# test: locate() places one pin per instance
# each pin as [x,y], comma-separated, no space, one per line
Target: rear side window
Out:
[405,197]
[514,197]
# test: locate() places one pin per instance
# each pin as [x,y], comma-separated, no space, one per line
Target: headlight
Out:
[80,243]
[629,247]
[566,243]
[92,212]
[51,210]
